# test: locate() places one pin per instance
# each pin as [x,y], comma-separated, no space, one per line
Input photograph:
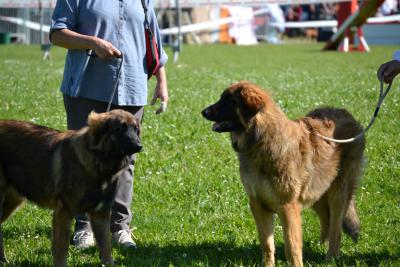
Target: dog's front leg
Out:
[265,227]
[290,215]
[3,258]
[100,221]
[61,231]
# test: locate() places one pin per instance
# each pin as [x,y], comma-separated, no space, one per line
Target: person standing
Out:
[389,70]
[109,30]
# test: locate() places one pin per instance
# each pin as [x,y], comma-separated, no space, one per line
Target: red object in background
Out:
[346,9]
[350,20]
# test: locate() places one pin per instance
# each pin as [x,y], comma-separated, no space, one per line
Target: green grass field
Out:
[189,206]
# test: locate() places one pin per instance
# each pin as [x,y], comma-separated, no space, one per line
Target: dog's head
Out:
[116,132]
[238,104]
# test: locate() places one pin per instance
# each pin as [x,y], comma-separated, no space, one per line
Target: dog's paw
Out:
[332,256]
[3,260]
[107,263]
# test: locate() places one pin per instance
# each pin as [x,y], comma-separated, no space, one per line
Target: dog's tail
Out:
[351,222]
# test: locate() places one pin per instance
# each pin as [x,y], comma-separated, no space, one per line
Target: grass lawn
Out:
[189,206]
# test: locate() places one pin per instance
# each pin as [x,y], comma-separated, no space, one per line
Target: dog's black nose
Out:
[138,148]
[133,148]
[206,112]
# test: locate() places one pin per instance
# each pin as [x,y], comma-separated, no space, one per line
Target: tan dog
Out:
[285,167]
[69,172]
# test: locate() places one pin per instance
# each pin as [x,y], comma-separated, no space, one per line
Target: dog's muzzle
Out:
[207,113]
[135,148]
[221,126]
[218,126]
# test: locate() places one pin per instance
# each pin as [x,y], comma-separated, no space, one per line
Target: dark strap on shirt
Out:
[146,19]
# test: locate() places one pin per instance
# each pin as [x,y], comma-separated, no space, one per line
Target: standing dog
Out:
[285,166]
[69,172]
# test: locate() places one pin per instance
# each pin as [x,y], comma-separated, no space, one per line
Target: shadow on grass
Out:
[219,254]
[223,254]
[213,254]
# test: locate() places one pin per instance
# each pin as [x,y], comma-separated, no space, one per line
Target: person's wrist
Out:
[93,42]
[160,74]
[161,81]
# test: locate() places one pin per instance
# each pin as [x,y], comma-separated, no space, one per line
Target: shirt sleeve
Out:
[396,55]
[64,15]
[156,30]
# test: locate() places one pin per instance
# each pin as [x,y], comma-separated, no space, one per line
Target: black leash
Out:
[116,82]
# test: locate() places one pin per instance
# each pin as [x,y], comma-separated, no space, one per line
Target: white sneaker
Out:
[83,239]
[124,239]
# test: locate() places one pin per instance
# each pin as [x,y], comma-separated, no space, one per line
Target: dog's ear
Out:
[97,121]
[99,124]
[138,126]
[251,99]
[94,119]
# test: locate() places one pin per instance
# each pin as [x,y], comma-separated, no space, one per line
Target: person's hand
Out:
[105,50]
[388,71]
[161,91]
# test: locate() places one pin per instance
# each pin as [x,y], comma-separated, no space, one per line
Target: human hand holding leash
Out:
[161,91]
[104,49]
[388,71]
[73,40]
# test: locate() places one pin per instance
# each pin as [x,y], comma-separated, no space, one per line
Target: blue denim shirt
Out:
[120,22]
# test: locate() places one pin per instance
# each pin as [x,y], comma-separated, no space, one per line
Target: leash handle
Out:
[382,95]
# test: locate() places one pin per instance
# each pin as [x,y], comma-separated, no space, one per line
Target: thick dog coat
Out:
[285,166]
[69,172]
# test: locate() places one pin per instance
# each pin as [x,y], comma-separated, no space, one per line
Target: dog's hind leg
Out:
[100,221]
[322,209]
[265,227]
[337,208]
[341,196]
[352,169]
[351,222]
[61,231]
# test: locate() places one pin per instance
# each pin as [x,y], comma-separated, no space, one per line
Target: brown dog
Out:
[69,172]
[285,166]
